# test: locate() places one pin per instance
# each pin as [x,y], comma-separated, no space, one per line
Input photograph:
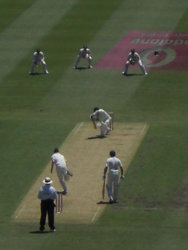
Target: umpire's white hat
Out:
[47,180]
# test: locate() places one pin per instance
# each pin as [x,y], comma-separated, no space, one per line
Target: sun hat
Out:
[47,180]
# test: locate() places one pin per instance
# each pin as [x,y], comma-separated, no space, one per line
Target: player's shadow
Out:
[103,202]
[133,74]
[96,137]
[37,74]
[82,68]
[40,232]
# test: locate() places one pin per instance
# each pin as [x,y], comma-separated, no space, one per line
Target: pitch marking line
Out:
[95,215]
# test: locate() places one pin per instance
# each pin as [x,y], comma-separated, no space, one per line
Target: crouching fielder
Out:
[61,168]
[85,54]
[38,59]
[113,167]
[132,59]
[104,120]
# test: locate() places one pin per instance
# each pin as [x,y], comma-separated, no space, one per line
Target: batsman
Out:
[103,120]
[114,168]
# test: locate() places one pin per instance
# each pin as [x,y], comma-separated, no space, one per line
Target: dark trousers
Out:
[47,207]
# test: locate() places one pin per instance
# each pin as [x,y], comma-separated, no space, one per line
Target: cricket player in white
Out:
[61,168]
[113,166]
[134,58]
[104,119]
[38,58]
[85,54]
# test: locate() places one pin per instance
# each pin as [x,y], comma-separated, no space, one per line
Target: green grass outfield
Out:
[37,113]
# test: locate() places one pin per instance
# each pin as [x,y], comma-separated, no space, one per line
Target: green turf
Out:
[37,113]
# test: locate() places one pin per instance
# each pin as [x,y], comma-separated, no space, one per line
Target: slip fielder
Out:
[84,53]
[132,59]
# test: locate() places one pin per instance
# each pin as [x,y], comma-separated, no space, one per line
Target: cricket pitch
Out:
[86,156]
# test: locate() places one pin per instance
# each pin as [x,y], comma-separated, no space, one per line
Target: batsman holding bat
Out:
[113,167]
[102,119]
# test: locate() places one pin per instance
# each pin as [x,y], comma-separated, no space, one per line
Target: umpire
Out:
[47,194]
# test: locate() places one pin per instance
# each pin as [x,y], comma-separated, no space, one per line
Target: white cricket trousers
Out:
[42,62]
[140,65]
[105,127]
[62,175]
[112,186]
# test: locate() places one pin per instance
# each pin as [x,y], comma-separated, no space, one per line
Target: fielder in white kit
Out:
[38,59]
[85,54]
[132,59]
[61,168]
[113,166]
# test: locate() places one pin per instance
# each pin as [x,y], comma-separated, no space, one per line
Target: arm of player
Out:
[122,172]
[52,166]
[92,117]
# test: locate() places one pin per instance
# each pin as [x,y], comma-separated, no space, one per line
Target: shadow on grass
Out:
[133,74]
[82,68]
[37,74]
[40,232]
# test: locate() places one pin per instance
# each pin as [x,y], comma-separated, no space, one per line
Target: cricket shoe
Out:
[69,173]
[111,200]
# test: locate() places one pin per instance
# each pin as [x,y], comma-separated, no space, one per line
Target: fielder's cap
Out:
[47,180]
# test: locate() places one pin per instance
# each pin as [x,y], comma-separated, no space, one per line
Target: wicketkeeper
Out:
[85,54]
[101,119]
[132,59]
[113,166]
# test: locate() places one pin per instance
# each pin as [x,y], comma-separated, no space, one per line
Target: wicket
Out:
[59,202]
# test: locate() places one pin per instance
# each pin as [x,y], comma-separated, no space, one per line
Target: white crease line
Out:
[95,214]
[78,128]
[143,129]
[20,211]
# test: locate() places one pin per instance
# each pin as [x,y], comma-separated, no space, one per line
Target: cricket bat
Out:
[103,190]
[94,124]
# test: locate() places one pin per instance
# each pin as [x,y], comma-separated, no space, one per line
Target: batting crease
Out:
[95,215]
[143,129]
[79,127]
[20,211]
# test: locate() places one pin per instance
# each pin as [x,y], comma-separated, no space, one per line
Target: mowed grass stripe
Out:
[86,159]
[9,11]
[150,16]
[27,30]
[60,46]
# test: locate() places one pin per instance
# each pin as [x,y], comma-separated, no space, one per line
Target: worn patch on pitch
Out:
[86,156]
[172,48]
